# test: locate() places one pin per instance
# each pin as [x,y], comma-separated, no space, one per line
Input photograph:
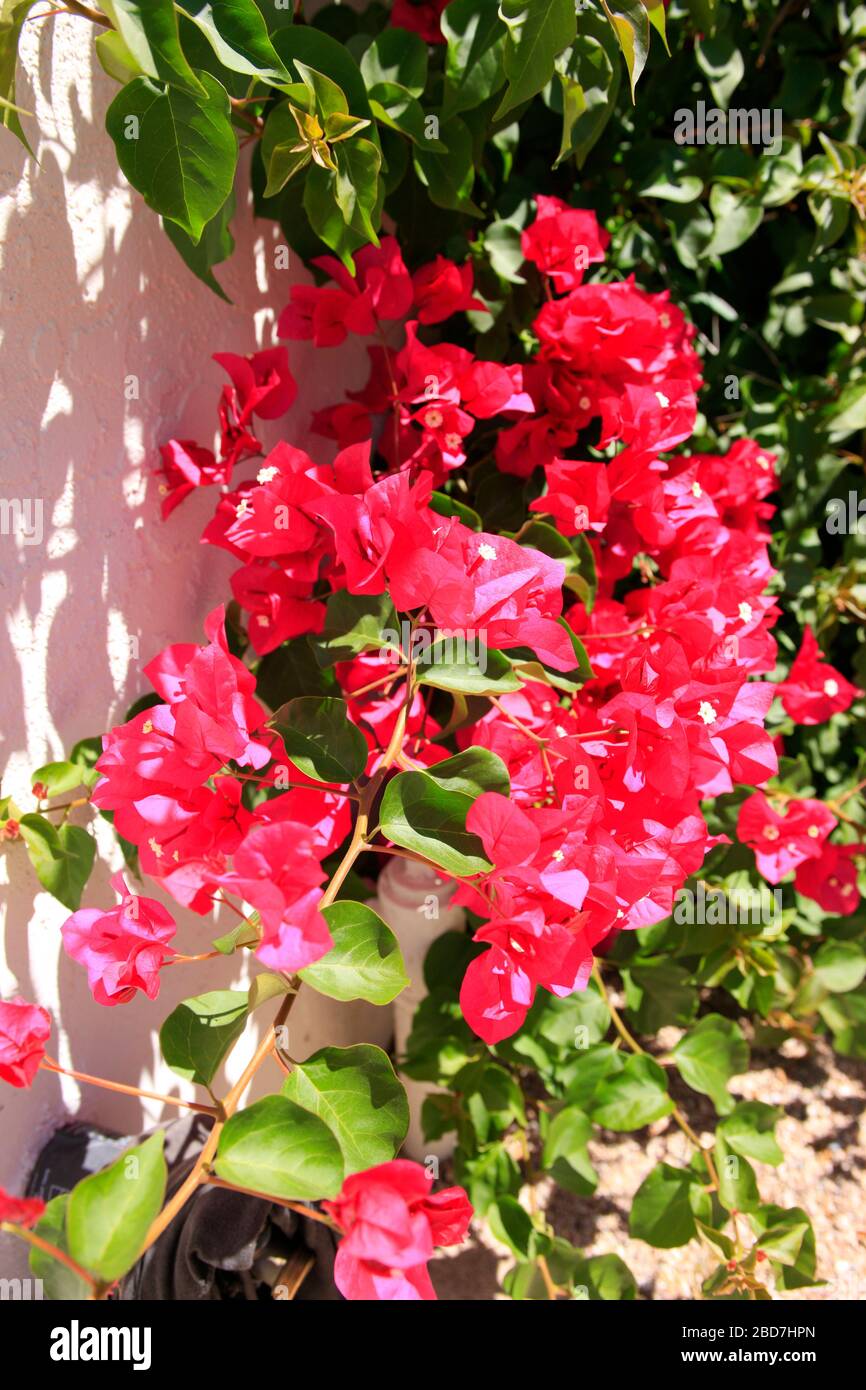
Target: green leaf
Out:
[565,1156]
[538,31]
[711,1053]
[57,778]
[115,58]
[62,857]
[149,30]
[356,185]
[58,1281]
[326,218]
[215,246]
[604,1278]
[472,772]
[244,934]
[280,154]
[320,738]
[356,623]
[736,218]
[449,178]
[355,1092]
[395,107]
[589,80]
[634,1097]
[840,965]
[419,814]
[237,32]
[396,55]
[787,1237]
[280,1148]
[661,1213]
[511,1223]
[630,22]
[466,665]
[198,1035]
[364,962]
[848,414]
[110,1213]
[722,63]
[750,1130]
[738,1187]
[303,44]
[178,152]
[474,55]
[267,985]
[12,17]
[660,993]
[328,96]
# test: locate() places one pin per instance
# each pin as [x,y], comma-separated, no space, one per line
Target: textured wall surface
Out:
[92,293]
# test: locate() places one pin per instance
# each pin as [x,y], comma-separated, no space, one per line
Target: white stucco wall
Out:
[90,292]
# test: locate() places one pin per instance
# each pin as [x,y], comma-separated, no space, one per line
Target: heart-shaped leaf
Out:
[320,738]
[365,960]
[275,1146]
[110,1213]
[355,1092]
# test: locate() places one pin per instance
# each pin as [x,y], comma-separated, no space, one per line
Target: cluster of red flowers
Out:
[604,822]
[172,777]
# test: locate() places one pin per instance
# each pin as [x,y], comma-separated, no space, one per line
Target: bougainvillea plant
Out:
[528,617]
[541,713]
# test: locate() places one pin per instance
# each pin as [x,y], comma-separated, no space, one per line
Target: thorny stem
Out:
[676,1114]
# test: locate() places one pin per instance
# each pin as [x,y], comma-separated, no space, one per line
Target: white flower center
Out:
[267,475]
[745,612]
[831,687]
[487,552]
[707,713]
[662,400]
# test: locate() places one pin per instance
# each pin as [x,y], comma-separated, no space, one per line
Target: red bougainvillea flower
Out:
[122,950]
[420,17]
[563,242]
[443,288]
[380,289]
[263,382]
[24,1031]
[815,690]
[277,869]
[20,1211]
[783,842]
[391,1223]
[831,879]
[186,466]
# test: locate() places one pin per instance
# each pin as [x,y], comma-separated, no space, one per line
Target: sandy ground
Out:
[823,1137]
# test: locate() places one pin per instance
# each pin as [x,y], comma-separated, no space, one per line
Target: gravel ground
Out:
[823,1137]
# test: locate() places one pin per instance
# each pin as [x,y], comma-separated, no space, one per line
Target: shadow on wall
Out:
[105,343]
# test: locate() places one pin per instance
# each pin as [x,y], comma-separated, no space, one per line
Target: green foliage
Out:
[109,1214]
